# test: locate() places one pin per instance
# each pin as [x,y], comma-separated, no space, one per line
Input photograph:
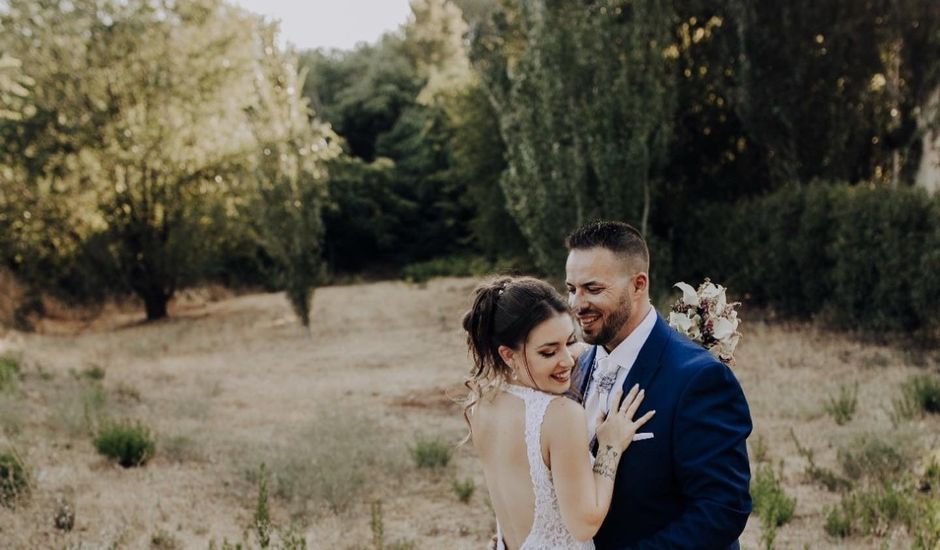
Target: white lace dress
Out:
[548,529]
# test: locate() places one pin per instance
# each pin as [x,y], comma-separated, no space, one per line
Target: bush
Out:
[14,481]
[878,250]
[922,394]
[872,458]
[838,522]
[458,266]
[431,453]
[859,254]
[771,503]
[874,510]
[464,489]
[94,373]
[129,444]
[842,407]
[9,370]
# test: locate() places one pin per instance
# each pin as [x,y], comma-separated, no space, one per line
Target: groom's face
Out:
[599,295]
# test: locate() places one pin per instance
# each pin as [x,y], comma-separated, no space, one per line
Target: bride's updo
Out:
[504,312]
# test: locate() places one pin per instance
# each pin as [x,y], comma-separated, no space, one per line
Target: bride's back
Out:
[498,428]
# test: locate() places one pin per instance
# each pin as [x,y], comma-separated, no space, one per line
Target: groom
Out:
[683,483]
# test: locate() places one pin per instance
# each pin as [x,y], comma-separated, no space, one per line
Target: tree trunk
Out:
[155,302]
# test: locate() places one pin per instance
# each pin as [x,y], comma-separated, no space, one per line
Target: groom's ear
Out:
[641,281]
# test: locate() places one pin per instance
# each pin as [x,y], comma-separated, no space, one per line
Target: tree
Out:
[585,96]
[289,178]
[127,176]
[833,89]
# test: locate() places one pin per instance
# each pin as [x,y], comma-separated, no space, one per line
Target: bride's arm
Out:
[584,492]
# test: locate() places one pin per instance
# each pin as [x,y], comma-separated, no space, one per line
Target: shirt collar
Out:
[626,353]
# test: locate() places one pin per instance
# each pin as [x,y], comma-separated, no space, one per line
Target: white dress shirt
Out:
[624,355]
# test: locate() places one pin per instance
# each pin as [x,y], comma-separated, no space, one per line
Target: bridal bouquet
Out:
[706,317]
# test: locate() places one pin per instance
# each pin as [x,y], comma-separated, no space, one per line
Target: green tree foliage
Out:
[833,89]
[128,174]
[424,149]
[584,94]
[289,176]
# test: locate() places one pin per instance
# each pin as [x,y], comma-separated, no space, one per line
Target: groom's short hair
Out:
[620,238]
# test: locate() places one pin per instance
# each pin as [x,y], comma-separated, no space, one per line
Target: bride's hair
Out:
[504,312]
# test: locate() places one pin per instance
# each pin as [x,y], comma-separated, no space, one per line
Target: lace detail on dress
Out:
[548,528]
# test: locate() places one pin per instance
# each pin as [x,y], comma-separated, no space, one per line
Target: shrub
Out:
[431,453]
[14,481]
[129,444]
[842,407]
[921,394]
[464,489]
[94,373]
[164,540]
[450,266]
[873,458]
[9,370]
[875,510]
[838,522]
[878,250]
[771,503]
[857,254]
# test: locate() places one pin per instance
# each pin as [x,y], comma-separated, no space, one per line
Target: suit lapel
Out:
[585,367]
[648,361]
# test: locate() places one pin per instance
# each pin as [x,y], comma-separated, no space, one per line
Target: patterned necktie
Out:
[604,377]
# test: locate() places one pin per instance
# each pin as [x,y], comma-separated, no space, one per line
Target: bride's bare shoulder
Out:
[563,413]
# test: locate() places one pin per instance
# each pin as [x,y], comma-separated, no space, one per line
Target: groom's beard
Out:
[612,324]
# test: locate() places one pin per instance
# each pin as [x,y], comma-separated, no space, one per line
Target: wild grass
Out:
[464,489]
[920,395]
[759,449]
[329,465]
[842,407]
[869,457]
[377,525]
[180,448]
[11,414]
[822,476]
[431,452]
[771,503]
[14,479]
[130,445]
[9,372]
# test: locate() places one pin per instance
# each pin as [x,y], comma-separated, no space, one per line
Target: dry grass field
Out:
[338,414]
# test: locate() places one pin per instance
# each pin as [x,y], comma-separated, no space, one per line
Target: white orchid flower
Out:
[680,321]
[689,296]
[722,329]
[722,301]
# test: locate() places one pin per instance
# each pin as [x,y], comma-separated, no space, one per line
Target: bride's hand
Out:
[618,429]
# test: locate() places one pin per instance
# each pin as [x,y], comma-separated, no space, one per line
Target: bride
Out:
[546,490]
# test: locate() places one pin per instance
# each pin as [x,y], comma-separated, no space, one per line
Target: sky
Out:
[331,23]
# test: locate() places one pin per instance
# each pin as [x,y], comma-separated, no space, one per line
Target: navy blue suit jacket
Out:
[687,487]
